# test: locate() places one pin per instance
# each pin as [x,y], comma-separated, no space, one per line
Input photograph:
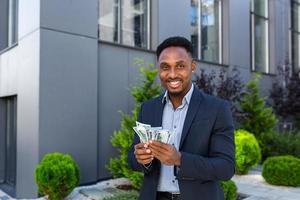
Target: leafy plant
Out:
[259,118]
[123,138]
[57,175]
[276,144]
[282,170]
[229,189]
[247,151]
[226,84]
[285,92]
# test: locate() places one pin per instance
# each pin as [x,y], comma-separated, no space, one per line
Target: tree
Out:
[259,118]
[123,138]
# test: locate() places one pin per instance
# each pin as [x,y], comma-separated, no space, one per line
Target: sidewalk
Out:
[254,186]
[251,185]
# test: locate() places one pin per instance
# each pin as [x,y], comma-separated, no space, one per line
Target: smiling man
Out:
[201,151]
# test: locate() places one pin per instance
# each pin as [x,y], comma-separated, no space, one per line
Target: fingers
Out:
[145,162]
[144,159]
[141,148]
[142,153]
[159,147]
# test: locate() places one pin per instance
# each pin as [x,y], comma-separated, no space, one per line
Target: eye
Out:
[164,67]
[180,66]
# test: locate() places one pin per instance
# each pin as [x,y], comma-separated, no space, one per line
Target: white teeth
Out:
[174,83]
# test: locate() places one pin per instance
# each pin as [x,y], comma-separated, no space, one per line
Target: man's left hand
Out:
[166,153]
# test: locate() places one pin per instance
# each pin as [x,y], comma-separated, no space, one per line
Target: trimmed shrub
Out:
[282,170]
[247,151]
[229,189]
[277,144]
[57,175]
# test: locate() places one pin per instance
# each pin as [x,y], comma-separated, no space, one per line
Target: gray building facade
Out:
[66,67]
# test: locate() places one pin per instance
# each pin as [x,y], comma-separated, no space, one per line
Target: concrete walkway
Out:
[254,186]
[251,185]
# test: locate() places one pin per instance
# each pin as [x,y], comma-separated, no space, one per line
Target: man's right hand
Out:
[143,154]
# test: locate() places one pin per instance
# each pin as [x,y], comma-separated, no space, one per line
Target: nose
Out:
[172,73]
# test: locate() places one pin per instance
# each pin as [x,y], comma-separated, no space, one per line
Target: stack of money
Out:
[147,133]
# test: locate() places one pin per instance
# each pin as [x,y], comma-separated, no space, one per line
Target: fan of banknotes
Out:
[147,133]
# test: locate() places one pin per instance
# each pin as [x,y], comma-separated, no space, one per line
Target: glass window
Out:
[8,23]
[206,30]
[295,29]
[108,20]
[125,21]
[260,35]
[260,7]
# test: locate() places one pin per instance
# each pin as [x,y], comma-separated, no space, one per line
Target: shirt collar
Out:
[186,98]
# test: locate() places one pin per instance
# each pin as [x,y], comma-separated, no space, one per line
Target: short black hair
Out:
[175,41]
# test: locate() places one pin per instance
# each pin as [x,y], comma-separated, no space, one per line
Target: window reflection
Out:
[260,35]
[125,22]
[108,20]
[295,35]
[205,29]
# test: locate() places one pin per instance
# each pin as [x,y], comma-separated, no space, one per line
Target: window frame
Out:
[220,34]
[292,32]
[119,27]
[12,25]
[253,14]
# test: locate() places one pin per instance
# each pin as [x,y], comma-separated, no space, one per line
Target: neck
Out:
[177,99]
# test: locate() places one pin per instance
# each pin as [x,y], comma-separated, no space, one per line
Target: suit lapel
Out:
[192,110]
[159,112]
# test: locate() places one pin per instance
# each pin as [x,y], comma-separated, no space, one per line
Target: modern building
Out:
[66,67]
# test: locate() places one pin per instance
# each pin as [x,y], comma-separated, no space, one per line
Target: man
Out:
[201,151]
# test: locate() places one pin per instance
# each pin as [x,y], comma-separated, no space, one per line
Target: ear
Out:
[193,65]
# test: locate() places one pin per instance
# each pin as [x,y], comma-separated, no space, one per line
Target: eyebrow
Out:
[178,62]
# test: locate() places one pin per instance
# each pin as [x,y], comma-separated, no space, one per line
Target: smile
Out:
[174,84]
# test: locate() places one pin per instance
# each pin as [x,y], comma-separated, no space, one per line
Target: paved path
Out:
[252,185]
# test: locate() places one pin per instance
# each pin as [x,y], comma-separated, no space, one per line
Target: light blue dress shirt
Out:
[173,120]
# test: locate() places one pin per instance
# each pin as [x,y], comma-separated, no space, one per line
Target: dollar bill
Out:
[163,136]
[141,124]
[147,133]
[142,137]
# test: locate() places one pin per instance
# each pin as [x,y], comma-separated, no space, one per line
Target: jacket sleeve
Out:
[133,164]
[220,163]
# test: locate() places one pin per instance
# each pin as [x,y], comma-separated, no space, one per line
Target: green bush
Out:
[276,144]
[259,118]
[124,195]
[57,175]
[282,170]
[247,151]
[229,189]
[123,138]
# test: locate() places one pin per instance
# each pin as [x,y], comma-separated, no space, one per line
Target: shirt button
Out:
[173,181]
[175,127]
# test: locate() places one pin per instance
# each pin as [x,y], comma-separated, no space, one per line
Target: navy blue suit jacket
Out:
[207,148]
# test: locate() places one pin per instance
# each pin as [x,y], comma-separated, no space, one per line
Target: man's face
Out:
[175,70]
